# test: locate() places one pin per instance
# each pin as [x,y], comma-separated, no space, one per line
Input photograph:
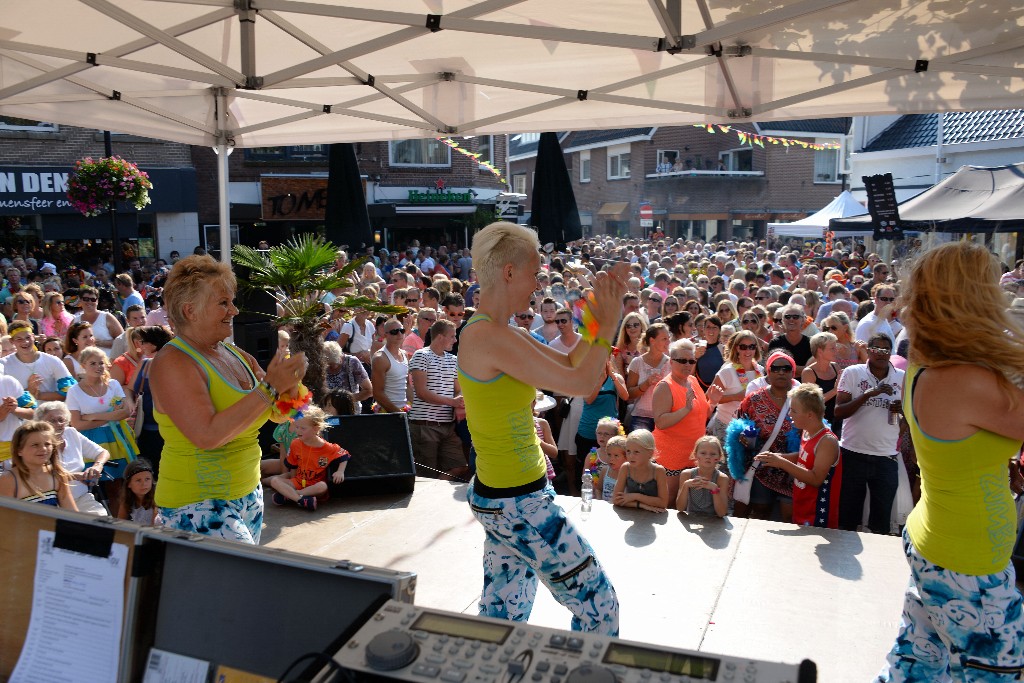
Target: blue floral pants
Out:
[238,520]
[529,537]
[957,627]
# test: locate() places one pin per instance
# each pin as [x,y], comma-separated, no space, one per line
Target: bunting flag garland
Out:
[473,155]
[752,139]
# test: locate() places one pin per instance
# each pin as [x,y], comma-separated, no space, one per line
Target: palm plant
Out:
[298,274]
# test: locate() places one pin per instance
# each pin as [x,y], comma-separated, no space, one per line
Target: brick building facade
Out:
[396,178]
[697,184]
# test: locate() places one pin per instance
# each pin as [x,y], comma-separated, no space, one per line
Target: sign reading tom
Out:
[883,207]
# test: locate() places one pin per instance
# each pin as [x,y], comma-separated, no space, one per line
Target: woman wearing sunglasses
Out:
[848,351]
[765,406]
[680,410]
[627,345]
[105,326]
[732,379]
[389,372]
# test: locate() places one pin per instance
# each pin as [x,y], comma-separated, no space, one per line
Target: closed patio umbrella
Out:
[346,220]
[554,211]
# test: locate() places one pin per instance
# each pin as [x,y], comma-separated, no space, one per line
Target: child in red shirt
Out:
[309,458]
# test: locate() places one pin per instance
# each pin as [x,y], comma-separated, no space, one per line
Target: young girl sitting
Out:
[308,461]
[37,475]
[139,491]
[817,469]
[609,472]
[641,483]
[704,489]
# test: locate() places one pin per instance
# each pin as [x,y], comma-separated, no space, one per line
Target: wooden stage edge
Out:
[751,588]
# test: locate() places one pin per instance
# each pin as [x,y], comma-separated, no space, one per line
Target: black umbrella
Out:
[345,219]
[554,212]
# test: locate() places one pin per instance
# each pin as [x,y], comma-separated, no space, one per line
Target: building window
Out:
[618,162]
[526,138]
[826,164]
[427,152]
[585,166]
[519,183]
[294,153]
[741,159]
[668,161]
[14,123]
[485,148]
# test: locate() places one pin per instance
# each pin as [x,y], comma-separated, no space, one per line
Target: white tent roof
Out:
[815,225]
[293,72]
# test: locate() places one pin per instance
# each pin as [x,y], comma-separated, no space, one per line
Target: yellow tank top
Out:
[188,474]
[500,419]
[965,520]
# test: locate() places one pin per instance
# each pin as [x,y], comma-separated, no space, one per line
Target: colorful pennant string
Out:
[760,140]
[474,155]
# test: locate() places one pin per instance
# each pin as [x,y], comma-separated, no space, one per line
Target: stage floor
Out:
[744,587]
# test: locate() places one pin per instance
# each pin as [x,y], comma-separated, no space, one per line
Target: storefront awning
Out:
[442,209]
[613,208]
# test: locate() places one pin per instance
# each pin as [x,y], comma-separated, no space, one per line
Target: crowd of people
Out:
[709,378]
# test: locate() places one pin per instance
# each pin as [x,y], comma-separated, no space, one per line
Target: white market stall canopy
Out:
[814,226]
[290,73]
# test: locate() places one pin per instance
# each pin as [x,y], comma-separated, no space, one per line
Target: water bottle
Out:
[587,492]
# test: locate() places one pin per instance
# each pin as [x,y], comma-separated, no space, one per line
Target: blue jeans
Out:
[874,475]
[957,627]
[528,537]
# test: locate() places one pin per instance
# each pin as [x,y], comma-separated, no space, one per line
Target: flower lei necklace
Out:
[743,375]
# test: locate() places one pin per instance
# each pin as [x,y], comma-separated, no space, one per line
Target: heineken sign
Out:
[440,197]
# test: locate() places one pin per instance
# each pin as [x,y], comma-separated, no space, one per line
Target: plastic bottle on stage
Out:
[587,492]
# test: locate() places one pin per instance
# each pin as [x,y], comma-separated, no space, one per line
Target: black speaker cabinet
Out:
[258,339]
[254,306]
[381,450]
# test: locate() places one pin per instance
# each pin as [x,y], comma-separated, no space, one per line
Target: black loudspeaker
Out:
[254,305]
[258,340]
[381,450]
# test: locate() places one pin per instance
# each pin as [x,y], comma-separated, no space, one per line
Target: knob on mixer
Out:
[589,673]
[391,650]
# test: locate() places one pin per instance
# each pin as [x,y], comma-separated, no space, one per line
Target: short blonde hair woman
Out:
[500,369]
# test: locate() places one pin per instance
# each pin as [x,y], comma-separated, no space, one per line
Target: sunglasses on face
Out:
[525,316]
[654,299]
[561,321]
[778,320]
[750,321]
[781,368]
[829,328]
[879,350]
[747,347]
[684,361]
[455,315]
[632,324]
[887,299]
[761,298]
[792,316]
[397,330]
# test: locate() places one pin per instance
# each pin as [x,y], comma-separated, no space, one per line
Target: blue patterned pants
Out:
[957,627]
[529,537]
[238,520]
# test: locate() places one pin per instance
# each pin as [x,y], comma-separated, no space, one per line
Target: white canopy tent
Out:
[815,225]
[289,72]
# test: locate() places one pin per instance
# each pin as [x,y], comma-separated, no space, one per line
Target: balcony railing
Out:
[706,174]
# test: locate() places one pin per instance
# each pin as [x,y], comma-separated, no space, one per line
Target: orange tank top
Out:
[673,447]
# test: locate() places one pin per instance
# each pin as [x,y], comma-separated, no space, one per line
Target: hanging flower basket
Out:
[95,183]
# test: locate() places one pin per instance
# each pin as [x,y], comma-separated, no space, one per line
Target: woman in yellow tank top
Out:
[210,399]
[963,618]
[528,536]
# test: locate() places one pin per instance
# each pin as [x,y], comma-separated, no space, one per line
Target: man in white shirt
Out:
[869,400]
[883,318]
[436,447]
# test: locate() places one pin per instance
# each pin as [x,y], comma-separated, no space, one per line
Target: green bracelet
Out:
[601,341]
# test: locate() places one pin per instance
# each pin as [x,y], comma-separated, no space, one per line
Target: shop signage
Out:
[295,198]
[440,197]
[34,190]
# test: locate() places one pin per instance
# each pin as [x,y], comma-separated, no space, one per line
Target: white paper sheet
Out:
[74,633]
[168,667]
